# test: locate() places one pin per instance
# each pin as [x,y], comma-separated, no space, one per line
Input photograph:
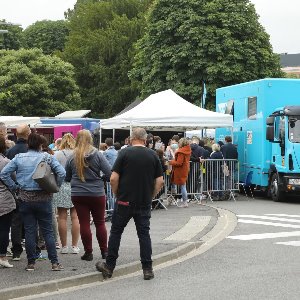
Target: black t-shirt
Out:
[138,168]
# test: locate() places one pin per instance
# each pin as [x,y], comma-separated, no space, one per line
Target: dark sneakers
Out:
[148,274]
[57,267]
[104,269]
[87,256]
[30,267]
[103,254]
[16,257]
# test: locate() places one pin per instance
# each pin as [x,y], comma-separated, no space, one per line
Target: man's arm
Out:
[114,182]
[158,184]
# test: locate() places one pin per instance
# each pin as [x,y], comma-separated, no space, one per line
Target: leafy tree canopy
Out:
[100,46]
[12,40]
[189,41]
[50,36]
[34,84]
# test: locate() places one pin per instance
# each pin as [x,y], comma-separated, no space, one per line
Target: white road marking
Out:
[269,218]
[283,215]
[268,223]
[273,235]
[261,236]
[290,243]
[194,226]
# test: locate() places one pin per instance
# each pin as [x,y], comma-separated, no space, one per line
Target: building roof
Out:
[290,60]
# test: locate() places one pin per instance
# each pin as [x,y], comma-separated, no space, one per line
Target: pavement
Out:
[174,232]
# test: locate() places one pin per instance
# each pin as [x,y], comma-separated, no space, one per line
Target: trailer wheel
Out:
[276,194]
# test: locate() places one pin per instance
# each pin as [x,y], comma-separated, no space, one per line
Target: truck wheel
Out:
[276,194]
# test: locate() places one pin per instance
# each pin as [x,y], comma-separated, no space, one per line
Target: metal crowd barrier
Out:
[219,178]
[110,200]
[212,179]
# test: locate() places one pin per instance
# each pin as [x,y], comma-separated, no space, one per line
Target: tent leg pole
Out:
[100,136]
[114,135]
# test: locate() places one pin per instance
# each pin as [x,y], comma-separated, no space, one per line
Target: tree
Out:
[12,40]
[217,41]
[32,83]
[50,36]
[100,47]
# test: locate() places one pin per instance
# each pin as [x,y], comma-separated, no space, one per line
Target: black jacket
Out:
[20,147]
[229,151]
[198,151]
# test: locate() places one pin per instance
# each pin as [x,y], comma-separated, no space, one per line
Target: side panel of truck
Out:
[249,133]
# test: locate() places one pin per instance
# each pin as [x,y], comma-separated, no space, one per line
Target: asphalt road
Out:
[259,260]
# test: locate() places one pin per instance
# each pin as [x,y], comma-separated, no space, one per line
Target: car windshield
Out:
[294,129]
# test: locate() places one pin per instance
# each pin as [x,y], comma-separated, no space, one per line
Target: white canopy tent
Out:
[167,111]
[18,120]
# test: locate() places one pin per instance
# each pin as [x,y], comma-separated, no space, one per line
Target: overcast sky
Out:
[280,18]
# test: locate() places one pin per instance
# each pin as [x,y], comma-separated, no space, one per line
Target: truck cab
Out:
[283,131]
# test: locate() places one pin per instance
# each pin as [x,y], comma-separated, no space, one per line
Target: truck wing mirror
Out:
[270,133]
[270,121]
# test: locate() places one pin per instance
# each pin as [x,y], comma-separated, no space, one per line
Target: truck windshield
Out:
[294,129]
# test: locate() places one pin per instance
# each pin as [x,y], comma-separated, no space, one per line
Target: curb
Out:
[226,218]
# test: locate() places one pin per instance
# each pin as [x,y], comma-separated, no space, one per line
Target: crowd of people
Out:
[133,172]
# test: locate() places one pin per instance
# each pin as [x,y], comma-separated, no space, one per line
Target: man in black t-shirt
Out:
[136,179]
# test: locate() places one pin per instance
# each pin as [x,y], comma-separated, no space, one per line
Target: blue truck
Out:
[266,130]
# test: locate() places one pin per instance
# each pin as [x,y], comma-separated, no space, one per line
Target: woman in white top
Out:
[63,201]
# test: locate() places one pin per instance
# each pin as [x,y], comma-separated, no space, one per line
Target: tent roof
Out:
[18,120]
[130,106]
[167,111]
[70,114]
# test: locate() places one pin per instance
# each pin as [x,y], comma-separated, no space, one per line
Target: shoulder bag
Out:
[225,167]
[45,177]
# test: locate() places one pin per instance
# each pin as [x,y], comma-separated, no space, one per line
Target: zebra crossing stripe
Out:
[268,223]
[261,236]
[269,218]
[289,243]
[283,215]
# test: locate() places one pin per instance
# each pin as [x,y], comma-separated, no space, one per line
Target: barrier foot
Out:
[160,202]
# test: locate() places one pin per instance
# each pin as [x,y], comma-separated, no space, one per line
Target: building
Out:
[290,63]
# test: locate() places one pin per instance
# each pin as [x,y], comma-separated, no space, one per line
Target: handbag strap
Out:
[47,158]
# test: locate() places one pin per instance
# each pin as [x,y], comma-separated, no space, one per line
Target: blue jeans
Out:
[121,217]
[217,186]
[183,191]
[40,213]
[5,223]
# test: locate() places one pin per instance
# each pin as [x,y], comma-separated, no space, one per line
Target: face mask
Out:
[174,146]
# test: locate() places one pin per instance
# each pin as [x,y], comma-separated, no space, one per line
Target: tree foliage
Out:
[32,83]
[12,40]
[50,36]
[189,41]
[100,46]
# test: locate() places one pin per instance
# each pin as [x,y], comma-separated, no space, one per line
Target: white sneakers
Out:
[64,250]
[5,263]
[74,250]
[183,204]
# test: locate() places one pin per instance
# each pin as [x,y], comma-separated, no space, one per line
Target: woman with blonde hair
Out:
[87,191]
[62,200]
[180,168]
